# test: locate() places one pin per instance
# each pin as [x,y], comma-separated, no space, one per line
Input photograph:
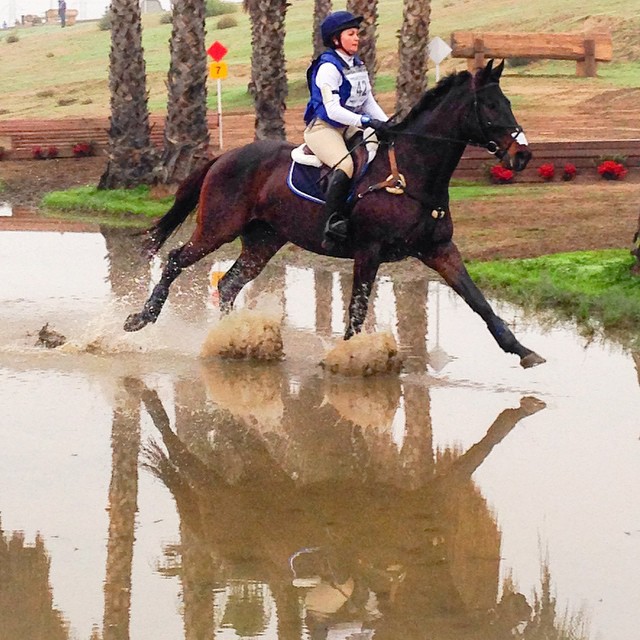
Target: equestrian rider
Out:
[341,103]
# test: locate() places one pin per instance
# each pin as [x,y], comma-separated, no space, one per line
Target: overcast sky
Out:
[11,10]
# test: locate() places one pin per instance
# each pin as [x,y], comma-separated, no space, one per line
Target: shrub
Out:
[38,153]
[218,8]
[13,37]
[226,22]
[104,24]
[166,18]
[52,152]
[65,102]
[615,157]
[569,171]
[518,61]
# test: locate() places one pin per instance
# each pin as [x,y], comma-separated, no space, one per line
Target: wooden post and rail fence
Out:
[587,49]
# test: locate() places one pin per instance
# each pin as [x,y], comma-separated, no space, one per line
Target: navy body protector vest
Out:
[352,93]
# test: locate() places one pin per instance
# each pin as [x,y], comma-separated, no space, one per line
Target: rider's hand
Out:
[381,128]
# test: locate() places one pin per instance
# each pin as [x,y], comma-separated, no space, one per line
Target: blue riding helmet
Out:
[336,23]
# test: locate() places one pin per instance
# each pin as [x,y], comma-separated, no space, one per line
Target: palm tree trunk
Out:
[132,158]
[268,72]
[123,504]
[186,133]
[411,81]
[321,9]
[368,9]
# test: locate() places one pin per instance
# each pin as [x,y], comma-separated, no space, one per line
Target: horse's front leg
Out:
[177,260]
[446,260]
[365,268]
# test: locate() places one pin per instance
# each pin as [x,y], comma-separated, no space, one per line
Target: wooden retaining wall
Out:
[584,154]
[19,137]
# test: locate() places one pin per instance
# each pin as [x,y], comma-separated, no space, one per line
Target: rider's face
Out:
[348,41]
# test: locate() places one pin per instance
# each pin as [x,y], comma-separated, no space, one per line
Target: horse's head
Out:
[492,122]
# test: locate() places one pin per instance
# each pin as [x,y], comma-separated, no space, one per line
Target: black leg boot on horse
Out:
[337,227]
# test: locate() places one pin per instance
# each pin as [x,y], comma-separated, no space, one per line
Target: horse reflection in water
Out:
[385,543]
[243,194]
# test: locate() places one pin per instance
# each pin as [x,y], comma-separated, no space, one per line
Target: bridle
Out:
[491,145]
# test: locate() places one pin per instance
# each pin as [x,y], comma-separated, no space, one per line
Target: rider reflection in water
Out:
[341,103]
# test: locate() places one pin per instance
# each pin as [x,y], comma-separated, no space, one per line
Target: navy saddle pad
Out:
[308,182]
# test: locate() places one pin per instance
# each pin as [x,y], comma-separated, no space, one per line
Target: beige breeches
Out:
[328,143]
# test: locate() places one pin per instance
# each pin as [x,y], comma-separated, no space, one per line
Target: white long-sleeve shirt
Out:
[329,79]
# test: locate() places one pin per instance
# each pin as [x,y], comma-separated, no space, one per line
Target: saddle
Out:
[308,176]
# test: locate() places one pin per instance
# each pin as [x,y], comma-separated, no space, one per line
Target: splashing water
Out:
[246,333]
[364,355]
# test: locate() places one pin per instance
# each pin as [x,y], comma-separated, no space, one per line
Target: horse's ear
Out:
[497,72]
[483,75]
[488,74]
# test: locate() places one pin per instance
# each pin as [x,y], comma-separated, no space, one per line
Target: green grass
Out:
[593,287]
[116,202]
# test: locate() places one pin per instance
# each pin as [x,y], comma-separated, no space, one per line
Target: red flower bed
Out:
[612,170]
[547,171]
[40,153]
[82,149]
[501,175]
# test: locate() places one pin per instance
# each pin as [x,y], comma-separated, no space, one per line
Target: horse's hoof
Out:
[135,322]
[531,360]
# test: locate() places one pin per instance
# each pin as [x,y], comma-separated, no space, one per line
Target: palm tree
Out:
[321,9]
[268,72]
[123,505]
[132,158]
[411,81]
[186,132]
[368,9]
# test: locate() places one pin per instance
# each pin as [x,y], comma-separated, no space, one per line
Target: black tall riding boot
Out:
[336,207]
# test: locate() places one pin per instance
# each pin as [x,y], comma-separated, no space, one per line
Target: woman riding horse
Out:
[243,193]
[341,104]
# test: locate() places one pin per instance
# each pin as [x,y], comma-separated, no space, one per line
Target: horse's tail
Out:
[186,200]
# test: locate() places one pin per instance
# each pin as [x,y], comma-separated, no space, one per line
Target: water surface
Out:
[180,498]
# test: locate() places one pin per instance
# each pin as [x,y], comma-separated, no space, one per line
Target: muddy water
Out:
[148,494]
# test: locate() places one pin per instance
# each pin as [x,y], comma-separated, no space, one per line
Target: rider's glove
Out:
[381,128]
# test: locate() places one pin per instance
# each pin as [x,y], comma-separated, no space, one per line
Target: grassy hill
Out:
[53,72]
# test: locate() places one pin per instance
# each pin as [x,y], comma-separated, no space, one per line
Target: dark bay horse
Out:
[244,193]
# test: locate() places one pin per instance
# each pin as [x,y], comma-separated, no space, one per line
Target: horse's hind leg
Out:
[259,244]
[446,260]
[177,260]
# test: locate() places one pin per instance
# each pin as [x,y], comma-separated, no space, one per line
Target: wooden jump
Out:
[587,49]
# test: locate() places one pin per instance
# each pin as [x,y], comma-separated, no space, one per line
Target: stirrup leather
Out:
[395,182]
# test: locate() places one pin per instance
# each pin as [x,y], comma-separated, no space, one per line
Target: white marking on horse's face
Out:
[520,138]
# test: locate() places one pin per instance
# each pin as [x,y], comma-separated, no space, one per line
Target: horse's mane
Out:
[431,97]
